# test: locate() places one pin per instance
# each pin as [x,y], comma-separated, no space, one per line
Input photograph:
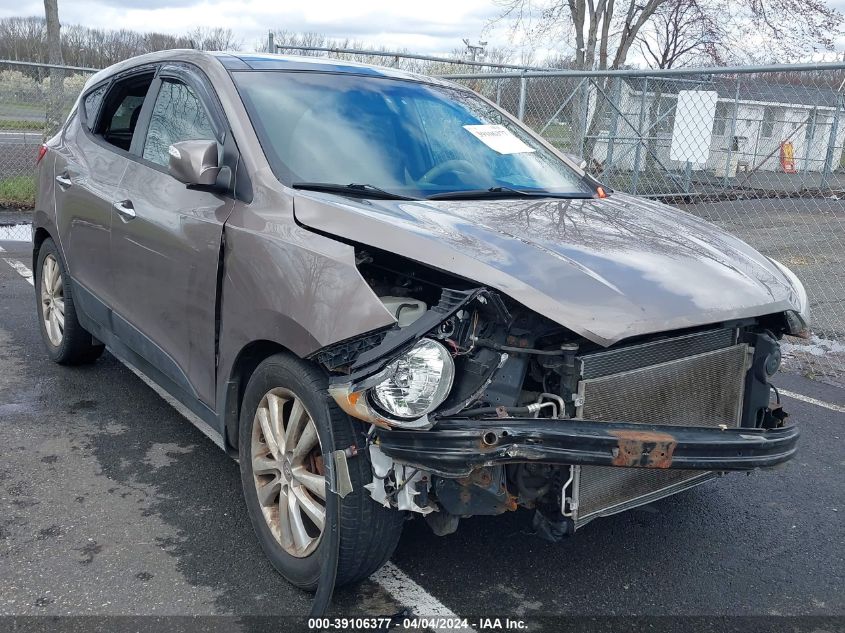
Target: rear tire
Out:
[292,394]
[67,342]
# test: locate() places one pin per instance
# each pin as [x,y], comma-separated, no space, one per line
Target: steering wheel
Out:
[457,165]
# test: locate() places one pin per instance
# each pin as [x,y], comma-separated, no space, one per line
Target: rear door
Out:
[166,236]
[90,162]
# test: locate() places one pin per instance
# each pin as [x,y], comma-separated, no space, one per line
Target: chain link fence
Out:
[34,100]
[757,151]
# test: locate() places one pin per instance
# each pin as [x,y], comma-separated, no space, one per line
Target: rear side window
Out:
[127,110]
[91,104]
[178,115]
[121,108]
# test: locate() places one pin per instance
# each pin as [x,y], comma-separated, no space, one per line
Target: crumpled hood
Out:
[607,269]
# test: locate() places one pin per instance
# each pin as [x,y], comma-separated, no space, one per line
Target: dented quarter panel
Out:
[608,269]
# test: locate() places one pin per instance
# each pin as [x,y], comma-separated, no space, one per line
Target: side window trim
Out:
[139,136]
[107,83]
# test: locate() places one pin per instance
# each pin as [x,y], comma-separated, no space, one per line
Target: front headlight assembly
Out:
[405,391]
[798,320]
[417,382]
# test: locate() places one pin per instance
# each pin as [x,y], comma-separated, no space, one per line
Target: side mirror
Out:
[194,162]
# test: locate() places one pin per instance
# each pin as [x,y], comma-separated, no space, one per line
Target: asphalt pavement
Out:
[111,503]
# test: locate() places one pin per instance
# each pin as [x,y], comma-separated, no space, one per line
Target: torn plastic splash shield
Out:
[398,339]
[456,446]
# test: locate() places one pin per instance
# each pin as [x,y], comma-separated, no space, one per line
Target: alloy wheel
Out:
[52,300]
[287,468]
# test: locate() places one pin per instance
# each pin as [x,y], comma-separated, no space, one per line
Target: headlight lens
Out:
[417,382]
[799,320]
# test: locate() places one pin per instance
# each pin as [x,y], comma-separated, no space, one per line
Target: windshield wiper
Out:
[504,192]
[358,189]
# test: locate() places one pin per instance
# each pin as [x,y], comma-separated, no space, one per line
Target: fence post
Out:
[636,175]
[810,136]
[523,88]
[498,92]
[831,144]
[611,137]
[733,133]
[584,117]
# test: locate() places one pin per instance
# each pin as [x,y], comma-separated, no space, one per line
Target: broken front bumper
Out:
[456,446]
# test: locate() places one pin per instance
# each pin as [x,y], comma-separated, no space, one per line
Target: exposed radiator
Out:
[694,380]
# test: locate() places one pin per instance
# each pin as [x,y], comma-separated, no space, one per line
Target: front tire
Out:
[284,430]
[67,342]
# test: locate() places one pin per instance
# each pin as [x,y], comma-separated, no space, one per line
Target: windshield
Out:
[403,137]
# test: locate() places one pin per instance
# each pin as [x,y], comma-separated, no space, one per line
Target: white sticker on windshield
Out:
[498,138]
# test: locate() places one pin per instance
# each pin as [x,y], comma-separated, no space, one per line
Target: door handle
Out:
[64,180]
[125,209]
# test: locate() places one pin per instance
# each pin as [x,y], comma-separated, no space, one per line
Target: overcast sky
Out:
[427,26]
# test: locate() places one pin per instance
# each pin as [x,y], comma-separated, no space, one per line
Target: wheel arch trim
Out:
[231,395]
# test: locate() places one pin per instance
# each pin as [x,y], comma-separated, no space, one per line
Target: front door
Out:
[166,240]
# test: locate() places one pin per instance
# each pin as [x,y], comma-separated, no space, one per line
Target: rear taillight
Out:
[41,151]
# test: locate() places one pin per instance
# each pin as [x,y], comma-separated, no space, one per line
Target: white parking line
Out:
[392,579]
[410,594]
[815,401]
[21,269]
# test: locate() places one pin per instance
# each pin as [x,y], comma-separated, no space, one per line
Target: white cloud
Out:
[433,26]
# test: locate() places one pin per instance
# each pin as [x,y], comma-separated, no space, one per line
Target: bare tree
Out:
[214,39]
[54,38]
[681,32]
[21,38]
[57,76]
[604,31]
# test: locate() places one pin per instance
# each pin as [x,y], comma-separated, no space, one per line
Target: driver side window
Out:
[178,115]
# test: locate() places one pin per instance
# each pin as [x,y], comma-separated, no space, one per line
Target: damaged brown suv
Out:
[386,296]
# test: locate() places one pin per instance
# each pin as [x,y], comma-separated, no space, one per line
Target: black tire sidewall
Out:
[293,374]
[57,353]
[77,346]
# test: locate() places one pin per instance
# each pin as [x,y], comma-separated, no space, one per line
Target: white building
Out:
[763,113]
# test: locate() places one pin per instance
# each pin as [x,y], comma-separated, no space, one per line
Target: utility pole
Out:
[55,102]
[475,50]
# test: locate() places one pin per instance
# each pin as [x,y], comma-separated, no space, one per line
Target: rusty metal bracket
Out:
[644,449]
